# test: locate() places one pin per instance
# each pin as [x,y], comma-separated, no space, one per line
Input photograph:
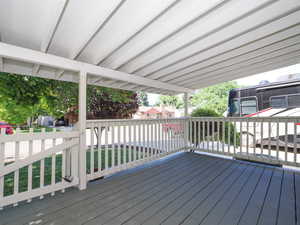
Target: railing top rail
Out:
[133,120]
[38,136]
[290,118]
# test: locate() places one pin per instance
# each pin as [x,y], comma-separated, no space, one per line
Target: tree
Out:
[169,100]
[143,99]
[20,97]
[214,97]
[108,103]
[23,97]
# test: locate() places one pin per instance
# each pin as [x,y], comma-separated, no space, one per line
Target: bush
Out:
[202,112]
[211,129]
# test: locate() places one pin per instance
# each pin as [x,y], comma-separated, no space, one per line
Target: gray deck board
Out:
[236,210]
[297,195]
[217,213]
[286,212]
[186,189]
[170,192]
[251,214]
[125,199]
[108,188]
[181,214]
[269,210]
[199,213]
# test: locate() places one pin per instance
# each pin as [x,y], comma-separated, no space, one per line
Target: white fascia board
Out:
[36,57]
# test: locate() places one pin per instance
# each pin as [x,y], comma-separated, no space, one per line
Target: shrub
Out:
[211,130]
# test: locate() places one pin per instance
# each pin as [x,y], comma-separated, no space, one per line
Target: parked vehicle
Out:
[8,128]
[278,99]
[61,122]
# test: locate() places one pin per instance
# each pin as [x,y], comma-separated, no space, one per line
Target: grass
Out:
[23,172]
[38,130]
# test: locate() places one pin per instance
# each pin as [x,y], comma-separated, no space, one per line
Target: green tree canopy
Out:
[214,97]
[170,100]
[23,97]
[143,99]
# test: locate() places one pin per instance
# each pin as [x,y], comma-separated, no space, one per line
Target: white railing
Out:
[270,140]
[114,145]
[34,164]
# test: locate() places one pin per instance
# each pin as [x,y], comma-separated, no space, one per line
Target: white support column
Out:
[82,129]
[187,121]
[186,104]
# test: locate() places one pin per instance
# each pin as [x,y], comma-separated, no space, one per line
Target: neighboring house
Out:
[158,112]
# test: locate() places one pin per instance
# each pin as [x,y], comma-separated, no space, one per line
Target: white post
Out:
[82,130]
[186,129]
[186,104]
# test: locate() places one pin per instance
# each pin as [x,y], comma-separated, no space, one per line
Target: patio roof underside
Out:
[167,47]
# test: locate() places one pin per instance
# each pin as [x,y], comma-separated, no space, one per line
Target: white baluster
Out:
[30,166]
[2,163]
[42,165]
[16,173]
[53,164]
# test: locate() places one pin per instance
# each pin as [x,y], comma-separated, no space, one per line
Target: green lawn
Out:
[37,130]
[23,172]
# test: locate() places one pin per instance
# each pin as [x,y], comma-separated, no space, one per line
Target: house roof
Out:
[167,47]
[152,111]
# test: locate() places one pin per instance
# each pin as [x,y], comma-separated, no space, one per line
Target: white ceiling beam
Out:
[113,82]
[36,57]
[131,85]
[226,39]
[109,85]
[73,79]
[247,70]
[143,65]
[101,25]
[149,90]
[35,68]
[241,61]
[59,73]
[269,43]
[138,32]
[98,80]
[259,60]
[85,43]
[57,15]
[170,35]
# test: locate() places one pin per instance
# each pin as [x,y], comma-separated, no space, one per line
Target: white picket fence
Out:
[270,140]
[122,144]
[28,164]
[35,164]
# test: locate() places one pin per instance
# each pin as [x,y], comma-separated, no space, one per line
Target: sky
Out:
[271,76]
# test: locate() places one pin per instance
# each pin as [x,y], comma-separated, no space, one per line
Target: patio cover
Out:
[160,46]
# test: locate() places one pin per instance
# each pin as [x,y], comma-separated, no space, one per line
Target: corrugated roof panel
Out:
[182,43]
[26,23]
[130,18]
[78,24]
[235,34]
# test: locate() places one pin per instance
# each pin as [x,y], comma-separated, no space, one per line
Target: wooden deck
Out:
[186,189]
